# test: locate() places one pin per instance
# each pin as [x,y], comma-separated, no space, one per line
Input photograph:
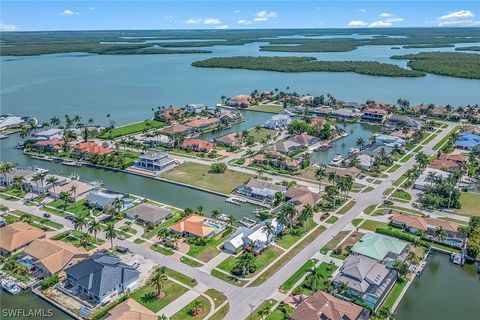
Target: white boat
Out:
[232,201]
[11,287]
[456,258]
[247,222]
[223,217]
[337,160]
[2,136]
[353,151]
[72,163]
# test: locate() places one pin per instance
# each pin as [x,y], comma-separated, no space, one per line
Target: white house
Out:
[106,198]
[428,176]
[49,134]
[365,161]
[388,140]
[278,122]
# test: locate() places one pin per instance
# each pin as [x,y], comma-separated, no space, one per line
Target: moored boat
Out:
[11,287]
[337,159]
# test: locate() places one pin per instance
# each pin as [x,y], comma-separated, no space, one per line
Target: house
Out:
[155,161]
[320,111]
[278,122]
[48,134]
[131,310]
[100,199]
[43,186]
[399,120]
[344,172]
[260,190]
[16,236]
[277,160]
[169,114]
[307,100]
[240,101]
[376,150]
[344,114]
[467,141]
[7,178]
[304,139]
[255,239]
[8,121]
[388,140]
[195,108]
[448,162]
[46,257]
[228,116]
[365,161]
[287,146]
[92,147]
[229,140]
[102,277]
[176,129]
[75,188]
[403,135]
[377,115]
[428,178]
[157,140]
[148,213]
[415,224]
[198,226]
[367,280]
[52,145]
[300,196]
[379,247]
[198,145]
[324,306]
[202,123]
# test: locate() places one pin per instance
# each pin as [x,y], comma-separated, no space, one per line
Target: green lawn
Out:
[429,139]
[273,108]
[186,312]
[263,133]
[198,175]
[220,314]
[255,315]
[186,280]
[407,157]
[332,219]
[209,251]
[401,194]
[227,278]
[372,225]
[146,295]
[356,222]
[35,221]
[291,237]
[217,297]
[346,207]
[139,241]
[370,209]
[325,271]
[132,128]
[77,207]
[73,237]
[470,204]
[261,261]
[394,294]
[368,189]
[150,234]
[285,287]
[162,250]
[393,168]
[332,244]
[190,262]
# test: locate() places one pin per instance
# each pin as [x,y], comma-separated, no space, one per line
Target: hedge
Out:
[402,235]
[49,282]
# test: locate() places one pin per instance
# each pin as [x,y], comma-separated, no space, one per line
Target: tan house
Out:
[75,188]
[131,310]
[16,236]
[300,196]
[50,257]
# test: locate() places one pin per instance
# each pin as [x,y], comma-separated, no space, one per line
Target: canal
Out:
[444,291]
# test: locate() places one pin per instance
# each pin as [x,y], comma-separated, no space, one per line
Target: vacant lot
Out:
[131,129]
[274,108]
[470,204]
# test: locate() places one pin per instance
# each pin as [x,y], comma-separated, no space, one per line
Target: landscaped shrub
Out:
[402,235]
[49,282]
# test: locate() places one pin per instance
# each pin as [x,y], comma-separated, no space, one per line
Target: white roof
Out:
[8,121]
[49,132]
[237,240]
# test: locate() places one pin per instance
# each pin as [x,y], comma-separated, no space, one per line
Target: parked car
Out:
[120,237]
[70,217]
[47,215]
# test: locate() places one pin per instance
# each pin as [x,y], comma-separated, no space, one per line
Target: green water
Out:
[444,291]
[28,302]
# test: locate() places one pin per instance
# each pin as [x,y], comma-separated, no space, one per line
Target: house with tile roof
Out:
[198,145]
[16,236]
[198,226]
[202,123]
[169,114]
[91,147]
[300,196]
[228,140]
[379,247]
[148,213]
[324,306]
[131,310]
[448,162]
[375,114]
[176,128]
[81,189]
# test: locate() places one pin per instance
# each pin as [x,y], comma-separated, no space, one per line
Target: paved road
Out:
[244,300]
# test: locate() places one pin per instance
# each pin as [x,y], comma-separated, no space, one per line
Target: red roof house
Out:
[197,145]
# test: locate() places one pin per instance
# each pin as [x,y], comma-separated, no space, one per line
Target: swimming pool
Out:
[26,262]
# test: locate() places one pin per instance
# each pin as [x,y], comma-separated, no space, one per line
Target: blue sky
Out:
[226,14]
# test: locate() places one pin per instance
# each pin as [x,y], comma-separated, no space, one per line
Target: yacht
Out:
[11,287]
[353,151]
[337,159]
[72,163]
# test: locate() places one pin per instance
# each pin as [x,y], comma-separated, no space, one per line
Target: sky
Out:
[20,15]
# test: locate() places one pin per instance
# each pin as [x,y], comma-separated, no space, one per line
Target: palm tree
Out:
[84,239]
[264,313]
[197,308]
[53,181]
[245,261]
[5,169]
[80,222]
[54,121]
[332,177]
[215,214]
[319,175]
[306,214]
[118,204]
[110,232]
[65,197]
[158,280]
[18,182]
[440,234]
[342,287]
[93,228]
[36,178]
[231,220]
[413,258]
[258,129]
[360,143]
[269,229]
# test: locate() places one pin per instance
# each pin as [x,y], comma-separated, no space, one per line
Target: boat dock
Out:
[247,222]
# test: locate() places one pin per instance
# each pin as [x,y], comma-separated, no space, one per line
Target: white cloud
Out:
[393,20]
[236,11]
[363,10]
[7,27]
[266,14]
[385,15]
[357,23]
[225,26]
[92,8]
[193,21]
[68,12]
[243,21]
[461,18]
[380,23]
[211,21]
[260,19]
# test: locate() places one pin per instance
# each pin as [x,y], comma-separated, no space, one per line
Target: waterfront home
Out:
[7,178]
[428,178]
[374,114]
[324,306]
[400,120]
[148,213]
[304,139]
[322,111]
[467,141]
[240,101]
[368,281]
[344,172]
[100,199]
[199,145]
[176,129]
[365,161]
[198,226]
[156,140]
[169,114]
[287,146]
[48,134]
[131,310]
[389,141]
[155,162]
[8,121]
[379,247]
[276,159]
[415,224]
[229,140]
[278,122]
[91,147]
[52,145]
[102,277]
[344,114]
[431,109]
[43,186]
[301,196]
[448,162]
[77,189]
[16,236]
[45,257]
[260,190]
[255,239]
[202,123]
[197,108]
[307,100]
[229,116]
[403,135]
[376,150]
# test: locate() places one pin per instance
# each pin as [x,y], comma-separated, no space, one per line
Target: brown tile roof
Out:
[202,122]
[227,139]
[193,224]
[81,187]
[176,128]
[54,255]
[325,306]
[422,223]
[92,147]
[400,134]
[198,144]
[303,139]
[453,157]
[301,196]
[444,164]
[18,234]
[131,310]
[343,172]
[54,143]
